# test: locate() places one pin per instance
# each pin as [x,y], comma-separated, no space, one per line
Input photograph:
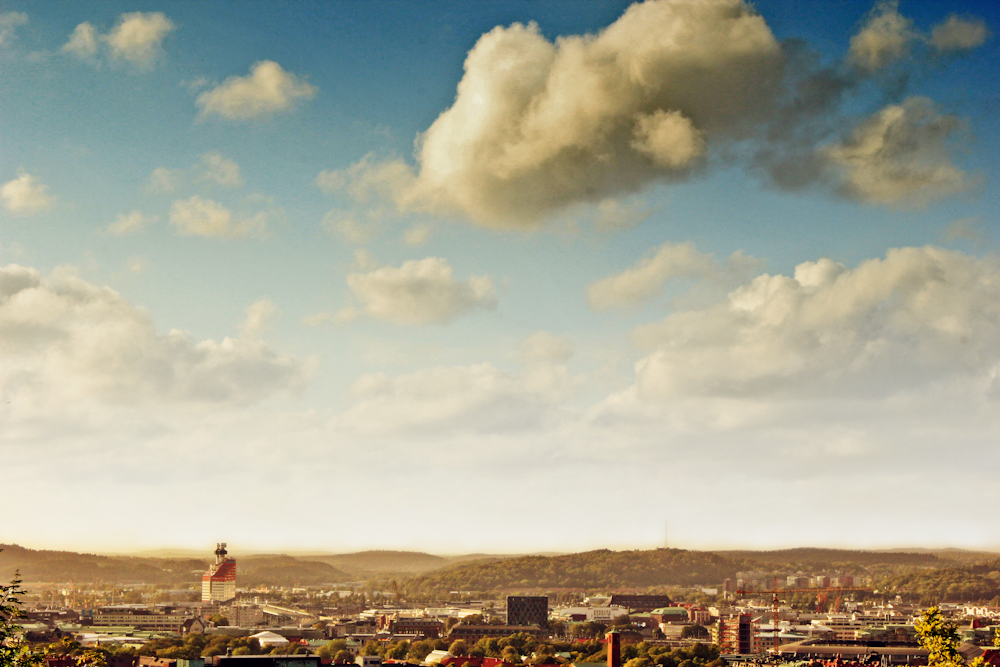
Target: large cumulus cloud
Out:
[538,126]
[64,339]
[919,315]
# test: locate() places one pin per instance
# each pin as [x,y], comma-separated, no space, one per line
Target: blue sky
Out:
[314,263]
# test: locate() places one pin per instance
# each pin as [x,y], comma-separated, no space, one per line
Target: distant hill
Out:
[610,570]
[970,583]
[591,570]
[384,562]
[67,566]
[819,559]
[281,570]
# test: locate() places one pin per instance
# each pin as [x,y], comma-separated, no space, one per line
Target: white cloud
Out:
[417,235]
[64,340]
[138,37]
[268,89]
[884,39]
[671,260]
[613,214]
[83,42]
[368,179]
[474,398]
[25,195]
[418,292]
[220,170]
[917,316]
[899,156]
[8,22]
[164,180]
[259,313]
[537,125]
[129,223]
[352,227]
[136,264]
[212,167]
[959,34]
[204,217]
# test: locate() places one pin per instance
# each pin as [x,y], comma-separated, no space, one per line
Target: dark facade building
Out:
[528,610]
[640,603]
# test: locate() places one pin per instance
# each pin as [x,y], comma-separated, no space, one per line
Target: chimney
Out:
[614,643]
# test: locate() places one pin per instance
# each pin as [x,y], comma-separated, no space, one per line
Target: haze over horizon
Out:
[504,277]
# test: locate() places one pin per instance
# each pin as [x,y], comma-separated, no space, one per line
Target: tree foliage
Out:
[940,637]
[14,652]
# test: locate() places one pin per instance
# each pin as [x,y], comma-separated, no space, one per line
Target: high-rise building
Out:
[527,610]
[218,584]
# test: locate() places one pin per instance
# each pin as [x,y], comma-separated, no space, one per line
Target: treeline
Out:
[592,570]
[521,648]
[836,559]
[605,570]
[65,566]
[972,583]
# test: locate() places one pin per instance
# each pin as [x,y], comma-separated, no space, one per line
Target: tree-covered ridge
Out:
[384,561]
[951,584]
[281,570]
[833,559]
[41,565]
[65,566]
[592,570]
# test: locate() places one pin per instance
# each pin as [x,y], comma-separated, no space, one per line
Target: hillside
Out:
[609,570]
[366,563]
[836,559]
[970,583]
[281,570]
[66,566]
[591,570]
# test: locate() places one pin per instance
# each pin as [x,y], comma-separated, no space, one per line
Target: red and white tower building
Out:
[218,584]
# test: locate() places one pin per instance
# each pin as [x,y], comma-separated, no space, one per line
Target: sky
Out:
[499,276]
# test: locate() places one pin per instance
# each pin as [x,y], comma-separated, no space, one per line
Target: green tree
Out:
[939,636]
[458,648]
[14,651]
[371,647]
[511,654]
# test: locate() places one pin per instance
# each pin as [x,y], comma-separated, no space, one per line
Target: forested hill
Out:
[67,566]
[610,570]
[591,570]
[843,559]
[970,583]
[384,562]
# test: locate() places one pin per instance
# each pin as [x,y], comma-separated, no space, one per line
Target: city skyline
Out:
[327,276]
